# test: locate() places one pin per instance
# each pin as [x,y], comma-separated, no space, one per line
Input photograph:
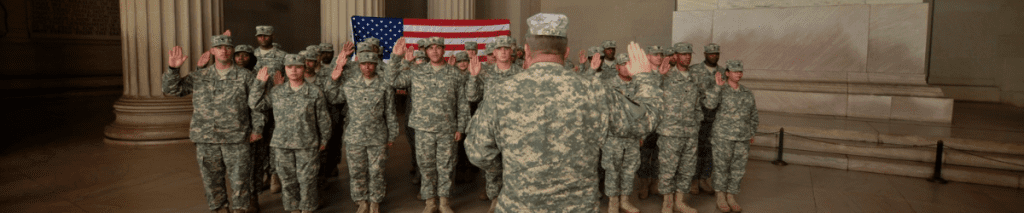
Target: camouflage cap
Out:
[734,66]
[608,44]
[313,48]
[264,30]
[273,65]
[513,41]
[364,47]
[422,43]
[654,49]
[595,49]
[220,40]
[488,50]
[683,47]
[326,47]
[470,45]
[372,40]
[276,45]
[548,24]
[419,54]
[309,55]
[243,48]
[294,59]
[621,58]
[711,48]
[365,57]
[502,41]
[434,41]
[461,56]
[668,51]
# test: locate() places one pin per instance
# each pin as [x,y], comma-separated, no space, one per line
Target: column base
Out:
[150,121]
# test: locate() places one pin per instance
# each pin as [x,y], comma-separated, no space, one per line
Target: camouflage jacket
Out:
[261,59]
[737,113]
[371,117]
[438,96]
[604,71]
[706,78]
[549,124]
[301,118]
[220,113]
[637,97]
[683,100]
[476,86]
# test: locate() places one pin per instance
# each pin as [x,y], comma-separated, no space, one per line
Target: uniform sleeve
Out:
[391,114]
[323,119]
[481,144]
[174,84]
[648,96]
[712,96]
[754,120]
[463,106]
[258,117]
[258,95]
[474,89]
[334,91]
[402,78]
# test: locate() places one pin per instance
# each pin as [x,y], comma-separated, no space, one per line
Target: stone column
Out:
[335,17]
[145,115]
[451,9]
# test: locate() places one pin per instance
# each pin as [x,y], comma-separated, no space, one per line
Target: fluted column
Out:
[451,9]
[335,17]
[149,28]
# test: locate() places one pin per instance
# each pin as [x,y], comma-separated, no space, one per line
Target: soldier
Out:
[648,171]
[608,48]
[732,133]
[520,54]
[221,124]
[471,49]
[440,112]
[602,71]
[327,55]
[303,127]
[478,85]
[420,58]
[268,50]
[462,166]
[372,127]
[489,53]
[244,57]
[548,124]
[706,70]
[680,121]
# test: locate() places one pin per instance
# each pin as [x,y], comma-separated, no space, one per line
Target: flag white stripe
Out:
[454,29]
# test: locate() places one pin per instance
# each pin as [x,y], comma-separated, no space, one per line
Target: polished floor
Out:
[57,162]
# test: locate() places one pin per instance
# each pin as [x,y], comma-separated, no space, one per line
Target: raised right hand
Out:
[205,59]
[278,78]
[399,48]
[474,65]
[718,79]
[262,75]
[583,57]
[175,58]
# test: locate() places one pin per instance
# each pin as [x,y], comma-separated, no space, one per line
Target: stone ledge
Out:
[845,88]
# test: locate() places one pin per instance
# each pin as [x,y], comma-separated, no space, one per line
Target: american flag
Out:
[455,32]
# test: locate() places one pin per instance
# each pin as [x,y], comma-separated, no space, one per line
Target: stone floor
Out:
[57,162]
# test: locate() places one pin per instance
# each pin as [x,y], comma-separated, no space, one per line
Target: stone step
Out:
[966,174]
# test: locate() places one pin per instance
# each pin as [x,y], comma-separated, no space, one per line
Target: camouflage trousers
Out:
[493,178]
[620,158]
[261,165]
[231,160]
[677,157]
[705,159]
[649,157]
[366,171]
[435,153]
[730,163]
[298,169]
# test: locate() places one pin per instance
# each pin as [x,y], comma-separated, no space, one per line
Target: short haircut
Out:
[542,44]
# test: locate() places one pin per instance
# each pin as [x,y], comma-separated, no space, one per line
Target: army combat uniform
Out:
[264,56]
[735,124]
[303,126]
[648,170]
[481,84]
[706,77]
[549,123]
[439,110]
[221,124]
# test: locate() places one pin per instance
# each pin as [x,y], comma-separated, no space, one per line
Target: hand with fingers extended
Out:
[583,57]
[278,78]
[595,61]
[474,66]
[175,58]
[410,56]
[340,67]
[638,62]
[399,48]
[346,50]
[227,33]
[718,79]
[665,66]
[205,59]
[451,60]
[262,75]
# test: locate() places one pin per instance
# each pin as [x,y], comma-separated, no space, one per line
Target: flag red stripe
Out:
[453,46]
[456,35]
[452,22]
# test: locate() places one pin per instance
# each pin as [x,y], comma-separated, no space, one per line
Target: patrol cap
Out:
[608,44]
[264,30]
[711,48]
[653,49]
[326,47]
[668,51]
[682,48]
[422,43]
[243,48]
[273,65]
[372,40]
[487,51]
[313,48]
[502,41]
[294,59]
[461,56]
[434,41]
[548,24]
[364,47]
[365,57]
[621,58]
[595,49]
[419,54]
[221,40]
[734,66]
[308,55]
[470,45]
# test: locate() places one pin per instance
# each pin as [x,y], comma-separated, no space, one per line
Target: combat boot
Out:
[254,204]
[654,186]
[444,206]
[613,204]
[275,184]
[720,201]
[626,206]
[221,210]
[730,198]
[644,185]
[680,205]
[362,207]
[694,187]
[705,184]
[666,203]
[374,207]
[431,206]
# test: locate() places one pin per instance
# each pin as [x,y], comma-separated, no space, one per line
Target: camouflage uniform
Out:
[649,150]
[440,109]
[221,124]
[476,88]
[372,123]
[303,125]
[706,77]
[549,123]
[680,122]
[263,162]
[265,56]
[734,126]
[397,63]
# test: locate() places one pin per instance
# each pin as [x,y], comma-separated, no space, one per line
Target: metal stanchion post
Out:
[937,176]
[778,158]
